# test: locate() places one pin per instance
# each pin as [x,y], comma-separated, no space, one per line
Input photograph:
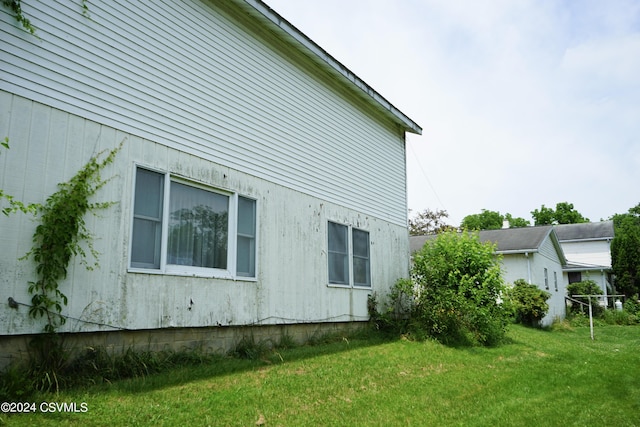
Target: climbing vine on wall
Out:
[61,234]
[16,8]
[14,205]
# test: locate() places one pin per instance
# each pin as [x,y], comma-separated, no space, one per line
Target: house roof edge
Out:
[332,64]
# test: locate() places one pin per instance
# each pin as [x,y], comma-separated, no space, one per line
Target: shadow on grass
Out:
[252,356]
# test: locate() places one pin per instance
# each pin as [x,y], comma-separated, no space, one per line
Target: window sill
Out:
[335,285]
[199,275]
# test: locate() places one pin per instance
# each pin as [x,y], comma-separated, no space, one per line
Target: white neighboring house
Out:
[226,111]
[530,253]
[587,247]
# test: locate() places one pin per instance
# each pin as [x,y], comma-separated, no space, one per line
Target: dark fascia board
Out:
[289,32]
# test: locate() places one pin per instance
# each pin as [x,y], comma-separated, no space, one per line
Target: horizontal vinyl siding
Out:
[196,81]
[590,253]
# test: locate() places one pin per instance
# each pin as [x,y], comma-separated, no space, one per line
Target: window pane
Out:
[149,188]
[361,272]
[246,263]
[145,251]
[338,269]
[338,254]
[360,243]
[246,251]
[361,261]
[198,227]
[337,237]
[246,216]
[147,220]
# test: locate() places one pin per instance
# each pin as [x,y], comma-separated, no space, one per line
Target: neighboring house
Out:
[587,247]
[260,182]
[530,253]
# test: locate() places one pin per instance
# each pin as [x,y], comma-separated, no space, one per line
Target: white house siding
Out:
[531,269]
[49,145]
[194,77]
[589,253]
[514,267]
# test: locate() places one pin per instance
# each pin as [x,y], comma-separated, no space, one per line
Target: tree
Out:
[544,216]
[429,222]
[458,282]
[564,213]
[486,220]
[516,222]
[625,251]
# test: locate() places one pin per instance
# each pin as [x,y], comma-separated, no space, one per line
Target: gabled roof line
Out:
[323,57]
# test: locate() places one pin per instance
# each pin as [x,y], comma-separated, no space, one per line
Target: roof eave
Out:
[322,57]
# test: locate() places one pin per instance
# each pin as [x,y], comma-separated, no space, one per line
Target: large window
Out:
[348,256]
[192,236]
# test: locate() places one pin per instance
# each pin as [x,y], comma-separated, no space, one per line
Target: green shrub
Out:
[632,305]
[456,286]
[586,287]
[528,302]
[617,317]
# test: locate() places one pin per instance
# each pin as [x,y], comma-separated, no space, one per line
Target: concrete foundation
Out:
[220,340]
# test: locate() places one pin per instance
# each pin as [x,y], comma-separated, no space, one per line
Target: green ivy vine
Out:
[59,235]
[15,205]
[16,8]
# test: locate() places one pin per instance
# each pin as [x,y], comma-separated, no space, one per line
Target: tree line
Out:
[625,246]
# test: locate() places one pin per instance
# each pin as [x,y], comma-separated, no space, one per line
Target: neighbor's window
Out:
[555,280]
[575,276]
[197,228]
[546,279]
[348,247]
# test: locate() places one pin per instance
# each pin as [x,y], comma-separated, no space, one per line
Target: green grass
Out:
[538,378]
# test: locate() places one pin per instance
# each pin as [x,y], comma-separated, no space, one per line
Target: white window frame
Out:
[350,258]
[186,270]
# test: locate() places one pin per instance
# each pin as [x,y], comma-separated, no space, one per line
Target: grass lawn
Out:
[559,378]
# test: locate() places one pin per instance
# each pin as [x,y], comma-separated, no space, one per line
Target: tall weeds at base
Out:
[92,366]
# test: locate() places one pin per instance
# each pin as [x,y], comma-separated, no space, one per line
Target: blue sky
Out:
[522,103]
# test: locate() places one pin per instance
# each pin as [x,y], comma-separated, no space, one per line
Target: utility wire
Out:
[426,177]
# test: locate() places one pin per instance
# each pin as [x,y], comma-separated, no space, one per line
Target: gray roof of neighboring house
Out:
[585,231]
[517,240]
[507,240]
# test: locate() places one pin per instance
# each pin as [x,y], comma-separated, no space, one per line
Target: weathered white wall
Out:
[517,266]
[49,145]
[200,77]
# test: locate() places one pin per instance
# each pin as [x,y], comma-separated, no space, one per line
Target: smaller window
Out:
[555,280]
[349,256]
[246,248]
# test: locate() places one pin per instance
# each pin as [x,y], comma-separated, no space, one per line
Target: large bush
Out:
[528,302]
[457,286]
